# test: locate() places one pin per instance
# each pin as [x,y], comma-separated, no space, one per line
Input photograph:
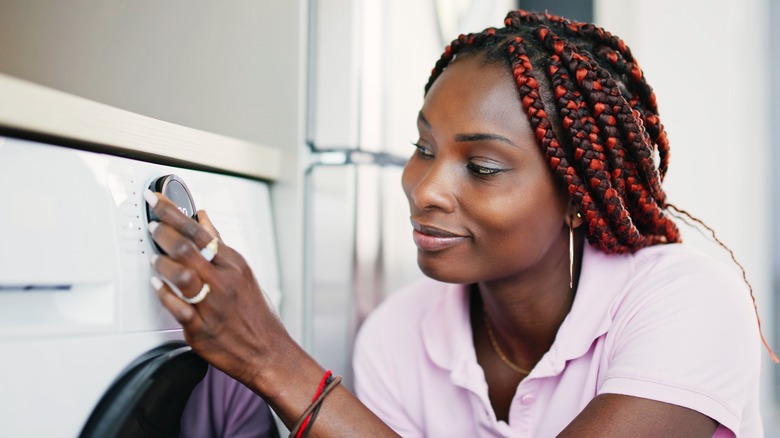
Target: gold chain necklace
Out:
[498,349]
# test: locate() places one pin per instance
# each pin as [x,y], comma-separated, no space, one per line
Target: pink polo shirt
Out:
[665,323]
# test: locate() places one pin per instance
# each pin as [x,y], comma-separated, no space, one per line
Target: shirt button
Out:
[527,399]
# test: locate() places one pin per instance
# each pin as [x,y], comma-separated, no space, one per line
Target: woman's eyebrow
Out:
[469,137]
[483,136]
[421,119]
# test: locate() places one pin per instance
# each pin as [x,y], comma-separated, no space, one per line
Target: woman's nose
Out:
[430,187]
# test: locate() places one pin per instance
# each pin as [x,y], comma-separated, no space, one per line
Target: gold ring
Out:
[210,250]
[200,296]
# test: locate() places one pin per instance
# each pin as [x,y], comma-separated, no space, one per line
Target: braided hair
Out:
[595,118]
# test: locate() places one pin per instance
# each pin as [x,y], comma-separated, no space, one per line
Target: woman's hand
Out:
[232,324]
[235,324]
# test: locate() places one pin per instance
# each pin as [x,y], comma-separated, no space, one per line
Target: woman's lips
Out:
[434,239]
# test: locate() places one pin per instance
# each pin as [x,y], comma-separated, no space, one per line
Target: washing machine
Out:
[84,343]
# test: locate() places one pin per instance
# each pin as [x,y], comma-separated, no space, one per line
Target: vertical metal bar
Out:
[307,311]
[774,80]
[311,72]
[307,295]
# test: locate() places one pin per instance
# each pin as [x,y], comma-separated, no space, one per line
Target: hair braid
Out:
[618,120]
[617,53]
[584,131]
[642,98]
[640,143]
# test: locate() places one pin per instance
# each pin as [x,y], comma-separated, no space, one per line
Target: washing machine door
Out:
[149,396]
[170,392]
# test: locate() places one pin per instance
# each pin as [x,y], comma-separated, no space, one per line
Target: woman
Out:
[533,138]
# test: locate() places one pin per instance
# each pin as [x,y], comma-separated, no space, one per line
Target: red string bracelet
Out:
[301,426]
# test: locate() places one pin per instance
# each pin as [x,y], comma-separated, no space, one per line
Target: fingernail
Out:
[150,197]
[153,259]
[156,283]
[153,226]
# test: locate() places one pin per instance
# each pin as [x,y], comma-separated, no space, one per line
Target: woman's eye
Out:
[423,150]
[482,170]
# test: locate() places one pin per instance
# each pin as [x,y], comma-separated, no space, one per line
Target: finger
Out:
[182,277]
[205,221]
[168,213]
[211,250]
[184,313]
[179,247]
[190,276]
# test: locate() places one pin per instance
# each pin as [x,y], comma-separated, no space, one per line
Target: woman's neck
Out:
[525,313]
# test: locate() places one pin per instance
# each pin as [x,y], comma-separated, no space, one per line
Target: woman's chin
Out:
[443,272]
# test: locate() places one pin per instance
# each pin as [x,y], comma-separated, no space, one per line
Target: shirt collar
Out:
[602,279]
[446,327]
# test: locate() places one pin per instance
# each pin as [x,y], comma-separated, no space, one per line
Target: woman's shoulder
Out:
[676,284]
[672,285]
[683,270]
[674,273]
[675,253]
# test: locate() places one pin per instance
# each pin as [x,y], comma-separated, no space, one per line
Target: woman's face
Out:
[484,205]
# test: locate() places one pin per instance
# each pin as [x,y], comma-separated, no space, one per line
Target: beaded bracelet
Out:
[327,384]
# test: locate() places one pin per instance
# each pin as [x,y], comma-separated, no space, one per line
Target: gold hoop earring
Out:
[571,254]
[571,250]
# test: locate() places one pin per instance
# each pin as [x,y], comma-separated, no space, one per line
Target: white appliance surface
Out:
[76,305]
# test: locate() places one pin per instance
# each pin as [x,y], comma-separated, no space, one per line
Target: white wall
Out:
[220,68]
[708,63]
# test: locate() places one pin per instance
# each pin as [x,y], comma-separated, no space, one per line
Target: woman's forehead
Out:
[472,89]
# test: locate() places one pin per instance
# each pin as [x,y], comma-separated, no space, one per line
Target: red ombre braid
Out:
[615,51]
[616,121]
[599,230]
[586,139]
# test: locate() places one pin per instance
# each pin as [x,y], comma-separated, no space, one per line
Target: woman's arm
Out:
[614,415]
[236,329]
